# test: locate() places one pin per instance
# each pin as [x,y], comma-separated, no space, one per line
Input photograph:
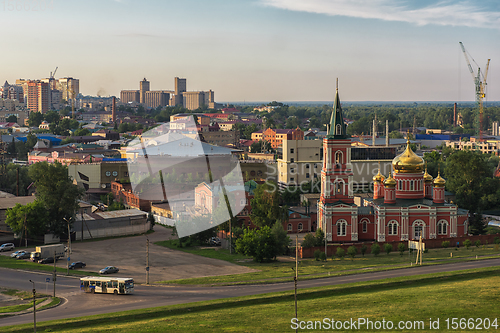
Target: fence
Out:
[113,231]
[429,244]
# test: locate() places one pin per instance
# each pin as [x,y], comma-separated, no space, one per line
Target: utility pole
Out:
[296,271]
[54,277]
[34,306]
[147,260]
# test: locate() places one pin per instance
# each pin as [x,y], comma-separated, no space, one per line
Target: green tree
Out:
[352,251]
[467,243]
[265,206]
[387,248]
[36,217]
[340,253]
[364,248]
[35,119]
[58,194]
[401,248]
[11,119]
[52,117]
[375,250]
[281,236]
[260,244]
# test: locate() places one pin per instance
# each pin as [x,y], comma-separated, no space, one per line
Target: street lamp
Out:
[147,259]
[34,306]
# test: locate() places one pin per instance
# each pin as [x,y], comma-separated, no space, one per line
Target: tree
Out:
[375,249]
[58,194]
[401,248]
[340,253]
[352,251]
[35,119]
[35,215]
[259,244]
[364,248]
[11,119]
[467,243]
[281,236]
[387,248]
[265,206]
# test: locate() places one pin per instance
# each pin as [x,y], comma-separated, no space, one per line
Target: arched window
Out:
[289,227]
[300,227]
[338,157]
[338,129]
[442,227]
[339,186]
[418,229]
[393,228]
[341,227]
[364,226]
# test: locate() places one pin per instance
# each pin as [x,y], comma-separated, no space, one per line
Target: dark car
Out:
[48,260]
[77,264]
[23,255]
[108,270]
[215,241]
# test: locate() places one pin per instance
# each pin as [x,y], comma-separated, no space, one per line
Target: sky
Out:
[258,50]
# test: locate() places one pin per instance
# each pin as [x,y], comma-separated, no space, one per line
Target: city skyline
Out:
[258,50]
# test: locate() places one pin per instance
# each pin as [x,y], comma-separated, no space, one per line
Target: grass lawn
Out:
[413,300]
[309,268]
[14,263]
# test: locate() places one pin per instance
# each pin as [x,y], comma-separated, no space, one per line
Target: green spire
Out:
[337,128]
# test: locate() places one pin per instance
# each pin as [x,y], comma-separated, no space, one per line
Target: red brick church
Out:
[407,204]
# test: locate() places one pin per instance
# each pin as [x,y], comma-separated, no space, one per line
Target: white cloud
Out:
[464,13]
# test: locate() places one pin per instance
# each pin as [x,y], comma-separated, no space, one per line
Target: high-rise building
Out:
[38,96]
[180,85]
[128,96]
[154,99]
[10,91]
[143,88]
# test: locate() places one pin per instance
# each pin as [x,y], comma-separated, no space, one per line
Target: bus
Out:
[107,285]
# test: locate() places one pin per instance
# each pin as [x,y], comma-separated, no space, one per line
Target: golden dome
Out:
[390,182]
[408,161]
[427,178]
[439,181]
[378,177]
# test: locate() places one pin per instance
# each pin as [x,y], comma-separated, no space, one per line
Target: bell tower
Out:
[337,199]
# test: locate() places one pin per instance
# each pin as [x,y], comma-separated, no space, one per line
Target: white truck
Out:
[46,251]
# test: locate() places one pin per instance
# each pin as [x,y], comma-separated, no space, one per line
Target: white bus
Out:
[107,285]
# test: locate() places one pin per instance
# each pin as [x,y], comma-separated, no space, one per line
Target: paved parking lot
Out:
[129,255]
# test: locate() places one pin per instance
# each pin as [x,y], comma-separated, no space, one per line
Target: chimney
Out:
[374,133]
[113,110]
[387,133]
[454,114]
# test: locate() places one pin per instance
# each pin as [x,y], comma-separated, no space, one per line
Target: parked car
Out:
[7,247]
[25,255]
[215,241]
[109,270]
[15,254]
[48,260]
[77,264]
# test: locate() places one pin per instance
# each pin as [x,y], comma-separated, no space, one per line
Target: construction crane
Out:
[480,86]
[52,74]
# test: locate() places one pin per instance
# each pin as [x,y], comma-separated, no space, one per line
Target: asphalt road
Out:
[81,304]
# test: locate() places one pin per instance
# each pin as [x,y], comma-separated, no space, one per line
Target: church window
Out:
[365,227]
[341,227]
[411,185]
[442,227]
[292,160]
[289,227]
[307,166]
[291,150]
[393,228]
[300,227]
[338,129]
[307,175]
[338,157]
[418,229]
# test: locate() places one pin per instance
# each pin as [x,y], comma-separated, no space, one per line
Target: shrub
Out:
[340,253]
[317,255]
[401,248]
[477,243]
[445,244]
[319,237]
[352,251]
[387,248]
[363,249]
[497,240]
[309,241]
[467,243]
[322,256]
[375,249]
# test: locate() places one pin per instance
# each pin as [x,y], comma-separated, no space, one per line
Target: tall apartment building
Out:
[69,87]
[38,96]
[143,87]
[10,91]
[180,85]
[128,96]
[156,98]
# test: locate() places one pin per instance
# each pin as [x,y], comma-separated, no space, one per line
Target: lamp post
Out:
[147,260]
[34,306]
